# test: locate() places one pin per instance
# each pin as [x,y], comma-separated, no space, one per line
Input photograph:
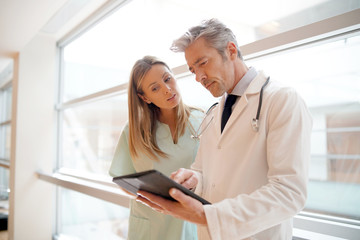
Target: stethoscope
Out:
[254,121]
[197,133]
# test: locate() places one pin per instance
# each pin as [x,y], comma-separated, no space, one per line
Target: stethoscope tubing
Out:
[260,98]
[254,123]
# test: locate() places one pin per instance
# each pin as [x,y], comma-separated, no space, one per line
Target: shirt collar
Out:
[244,82]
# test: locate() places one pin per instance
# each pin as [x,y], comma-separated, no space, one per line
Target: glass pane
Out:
[4,187]
[4,194]
[2,142]
[90,134]
[2,106]
[328,78]
[84,217]
[5,142]
[8,101]
[102,57]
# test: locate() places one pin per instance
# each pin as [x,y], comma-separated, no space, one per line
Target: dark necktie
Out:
[230,100]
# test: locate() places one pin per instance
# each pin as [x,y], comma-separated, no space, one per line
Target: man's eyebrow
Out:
[195,63]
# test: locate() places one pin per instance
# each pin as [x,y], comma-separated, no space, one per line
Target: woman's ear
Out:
[144,98]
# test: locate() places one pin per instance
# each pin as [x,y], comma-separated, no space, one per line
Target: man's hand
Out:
[185,177]
[186,207]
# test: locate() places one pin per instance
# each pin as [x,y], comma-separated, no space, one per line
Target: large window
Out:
[5,110]
[5,123]
[6,69]
[328,78]
[5,140]
[90,132]
[84,217]
[95,68]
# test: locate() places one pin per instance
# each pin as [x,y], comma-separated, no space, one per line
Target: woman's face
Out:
[159,87]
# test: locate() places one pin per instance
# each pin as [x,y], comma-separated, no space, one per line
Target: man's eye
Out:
[203,63]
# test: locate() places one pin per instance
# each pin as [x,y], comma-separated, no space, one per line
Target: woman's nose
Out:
[167,88]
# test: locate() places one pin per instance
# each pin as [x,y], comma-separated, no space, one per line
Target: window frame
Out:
[6,84]
[11,81]
[4,88]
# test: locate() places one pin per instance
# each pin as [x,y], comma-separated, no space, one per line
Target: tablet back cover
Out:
[154,182]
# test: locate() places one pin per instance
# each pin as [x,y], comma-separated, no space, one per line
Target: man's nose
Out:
[200,76]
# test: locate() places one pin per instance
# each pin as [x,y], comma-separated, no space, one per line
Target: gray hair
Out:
[215,33]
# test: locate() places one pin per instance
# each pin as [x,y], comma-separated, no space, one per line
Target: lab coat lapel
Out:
[239,107]
[218,116]
[253,89]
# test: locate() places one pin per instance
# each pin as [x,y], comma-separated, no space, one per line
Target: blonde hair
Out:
[143,116]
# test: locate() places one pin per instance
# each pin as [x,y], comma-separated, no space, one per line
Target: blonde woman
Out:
[157,136]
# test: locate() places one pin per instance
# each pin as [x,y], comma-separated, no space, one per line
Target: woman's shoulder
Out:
[125,129]
[196,115]
[197,112]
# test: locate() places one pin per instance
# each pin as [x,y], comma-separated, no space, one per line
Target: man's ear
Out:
[232,50]
[145,99]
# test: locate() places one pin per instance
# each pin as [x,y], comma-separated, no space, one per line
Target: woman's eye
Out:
[154,89]
[167,79]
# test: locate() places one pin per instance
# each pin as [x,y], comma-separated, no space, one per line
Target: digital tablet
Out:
[154,182]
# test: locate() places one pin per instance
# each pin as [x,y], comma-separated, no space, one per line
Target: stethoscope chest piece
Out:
[255,124]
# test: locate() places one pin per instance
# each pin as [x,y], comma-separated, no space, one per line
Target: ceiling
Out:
[21,20]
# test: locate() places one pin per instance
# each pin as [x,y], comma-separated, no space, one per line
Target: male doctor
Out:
[252,167]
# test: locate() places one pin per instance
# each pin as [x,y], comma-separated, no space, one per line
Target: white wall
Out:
[33,201]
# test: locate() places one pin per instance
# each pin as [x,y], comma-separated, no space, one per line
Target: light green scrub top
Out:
[145,223]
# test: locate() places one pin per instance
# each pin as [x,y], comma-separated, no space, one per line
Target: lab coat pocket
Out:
[139,228]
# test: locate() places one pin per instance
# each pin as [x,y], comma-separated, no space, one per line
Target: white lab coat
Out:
[255,180]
